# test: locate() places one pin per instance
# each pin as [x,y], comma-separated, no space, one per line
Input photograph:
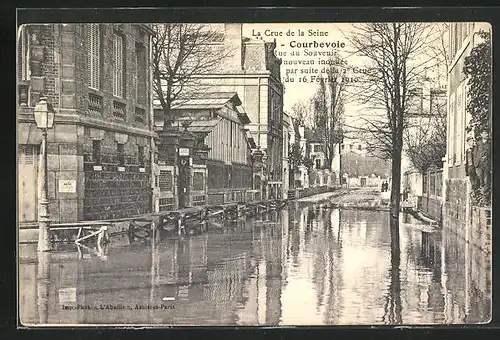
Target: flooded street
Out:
[299,266]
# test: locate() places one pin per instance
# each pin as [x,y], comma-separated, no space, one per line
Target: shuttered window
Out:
[23,54]
[141,67]
[93,61]
[118,65]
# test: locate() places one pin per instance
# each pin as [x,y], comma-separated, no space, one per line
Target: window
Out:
[458,125]
[121,155]
[165,180]
[318,148]
[359,147]
[141,67]
[317,162]
[96,151]
[118,66]
[23,47]
[451,139]
[140,155]
[231,134]
[93,57]
[198,181]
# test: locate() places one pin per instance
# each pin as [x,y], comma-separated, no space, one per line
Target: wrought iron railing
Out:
[95,104]
[119,109]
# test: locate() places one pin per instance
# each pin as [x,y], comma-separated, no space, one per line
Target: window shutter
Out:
[93,48]
[118,69]
[20,53]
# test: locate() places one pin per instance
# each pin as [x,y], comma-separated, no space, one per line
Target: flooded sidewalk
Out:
[303,265]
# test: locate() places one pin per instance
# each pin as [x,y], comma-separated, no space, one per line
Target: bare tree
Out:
[300,118]
[426,142]
[396,62]
[328,103]
[425,136]
[180,52]
[300,115]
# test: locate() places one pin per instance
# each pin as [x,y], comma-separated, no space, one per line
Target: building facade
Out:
[217,122]
[470,222]
[253,71]
[287,135]
[97,79]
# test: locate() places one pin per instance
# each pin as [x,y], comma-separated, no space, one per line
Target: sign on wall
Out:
[183,152]
[67,185]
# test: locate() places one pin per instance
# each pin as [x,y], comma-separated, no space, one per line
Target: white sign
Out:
[67,185]
[67,295]
[183,152]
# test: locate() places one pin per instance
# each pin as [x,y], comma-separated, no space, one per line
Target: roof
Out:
[242,115]
[312,136]
[196,126]
[213,100]
[250,139]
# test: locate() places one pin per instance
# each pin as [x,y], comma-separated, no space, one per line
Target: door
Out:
[27,183]
[363,181]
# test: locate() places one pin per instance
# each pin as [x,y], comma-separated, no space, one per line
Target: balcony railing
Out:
[23,89]
[95,104]
[119,109]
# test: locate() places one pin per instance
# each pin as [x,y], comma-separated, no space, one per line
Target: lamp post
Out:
[44,118]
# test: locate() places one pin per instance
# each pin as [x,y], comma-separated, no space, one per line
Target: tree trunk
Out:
[395,285]
[167,119]
[396,184]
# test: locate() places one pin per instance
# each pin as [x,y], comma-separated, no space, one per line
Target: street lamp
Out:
[44,118]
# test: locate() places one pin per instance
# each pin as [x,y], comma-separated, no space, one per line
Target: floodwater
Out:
[299,266]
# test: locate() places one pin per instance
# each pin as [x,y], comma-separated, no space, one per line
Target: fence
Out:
[431,201]
[299,193]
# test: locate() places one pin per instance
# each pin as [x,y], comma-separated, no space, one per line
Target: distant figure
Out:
[406,193]
[469,165]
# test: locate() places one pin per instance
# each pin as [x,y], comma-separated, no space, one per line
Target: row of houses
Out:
[351,164]
[108,155]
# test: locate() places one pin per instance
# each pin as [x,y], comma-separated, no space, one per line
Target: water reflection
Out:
[299,266]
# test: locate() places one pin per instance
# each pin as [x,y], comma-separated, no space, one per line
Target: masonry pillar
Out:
[200,156]
[185,164]
[168,149]
[257,172]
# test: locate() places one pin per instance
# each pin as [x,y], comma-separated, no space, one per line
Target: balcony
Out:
[119,110]
[23,91]
[95,105]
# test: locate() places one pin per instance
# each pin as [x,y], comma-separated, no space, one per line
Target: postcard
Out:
[254,174]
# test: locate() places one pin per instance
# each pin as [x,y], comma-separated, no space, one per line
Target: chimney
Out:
[233,45]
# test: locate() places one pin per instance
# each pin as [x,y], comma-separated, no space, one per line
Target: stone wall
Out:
[471,223]
[455,205]
[480,234]
[110,193]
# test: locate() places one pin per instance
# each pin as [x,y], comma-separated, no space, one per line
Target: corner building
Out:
[97,78]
